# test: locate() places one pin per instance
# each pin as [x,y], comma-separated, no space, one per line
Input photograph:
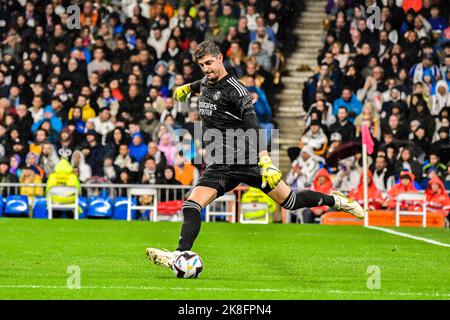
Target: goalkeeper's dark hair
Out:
[205,48]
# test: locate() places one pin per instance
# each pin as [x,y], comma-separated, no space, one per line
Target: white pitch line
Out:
[302,290]
[410,236]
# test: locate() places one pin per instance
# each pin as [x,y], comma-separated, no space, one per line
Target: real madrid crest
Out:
[216,96]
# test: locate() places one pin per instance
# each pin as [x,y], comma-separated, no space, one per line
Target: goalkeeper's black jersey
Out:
[224,108]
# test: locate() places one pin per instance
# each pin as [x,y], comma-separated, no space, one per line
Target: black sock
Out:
[191,225]
[307,199]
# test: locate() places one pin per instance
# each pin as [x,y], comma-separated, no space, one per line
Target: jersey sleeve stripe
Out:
[240,91]
[244,89]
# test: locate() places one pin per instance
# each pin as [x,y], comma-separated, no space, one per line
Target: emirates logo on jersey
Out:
[206,108]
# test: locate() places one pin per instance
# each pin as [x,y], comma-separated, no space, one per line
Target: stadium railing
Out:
[168,193]
[103,189]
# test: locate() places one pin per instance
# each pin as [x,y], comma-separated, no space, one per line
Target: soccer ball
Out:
[187,265]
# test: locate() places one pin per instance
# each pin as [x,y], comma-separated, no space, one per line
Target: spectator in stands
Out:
[350,102]
[369,118]
[63,175]
[374,197]
[437,197]
[419,70]
[315,138]
[156,154]
[349,172]
[227,19]
[304,168]
[335,143]
[48,159]
[98,64]
[421,143]
[125,160]
[326,111]
[267,44]
[439,146]
[84,170]
[65,144]
[394,126]
[441,98]
[30,177]
[343,125]
[32,161]
[235,59]
[103,124]
[109,170]
[138,149]
[392,97]
[168,178]
[352,78]
[382,176]
[132,103]
[407,162]
[149,171]
[405,185]
[421,113]
[186,173]
[96,152]
[6,176]
[321,183]
[87,112]
[251,16]
[167,147]
[149,122]
[261,56]
[433,164]
[125,177]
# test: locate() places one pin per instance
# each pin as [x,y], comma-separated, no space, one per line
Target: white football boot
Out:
[163,258]
[345,204]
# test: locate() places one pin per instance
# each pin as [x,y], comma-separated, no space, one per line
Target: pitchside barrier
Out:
[105,200]
[111,201]
[421,217]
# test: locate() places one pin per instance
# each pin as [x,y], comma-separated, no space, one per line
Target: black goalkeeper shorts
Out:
[225,178]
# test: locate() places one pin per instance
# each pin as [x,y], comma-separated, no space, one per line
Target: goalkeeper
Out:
[225,106]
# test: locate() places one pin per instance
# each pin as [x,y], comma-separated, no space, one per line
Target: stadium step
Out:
[317,10]
[308,31]
[290,115]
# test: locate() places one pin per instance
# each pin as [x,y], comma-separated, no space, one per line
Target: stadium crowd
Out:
[101,96]
[394,78]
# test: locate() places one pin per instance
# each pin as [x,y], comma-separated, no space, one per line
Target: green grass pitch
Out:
[240,261]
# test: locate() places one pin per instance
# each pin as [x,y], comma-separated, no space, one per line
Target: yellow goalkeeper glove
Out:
[270,173]
[182,93]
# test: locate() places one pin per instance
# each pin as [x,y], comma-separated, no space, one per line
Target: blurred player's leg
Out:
[200,197]
[291,200]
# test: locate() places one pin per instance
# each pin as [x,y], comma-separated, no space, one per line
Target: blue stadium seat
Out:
[2,204]
[17,206]
[40,208]
[120,209]
[447,185]
[83,203]
[203,214]
[99,207]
